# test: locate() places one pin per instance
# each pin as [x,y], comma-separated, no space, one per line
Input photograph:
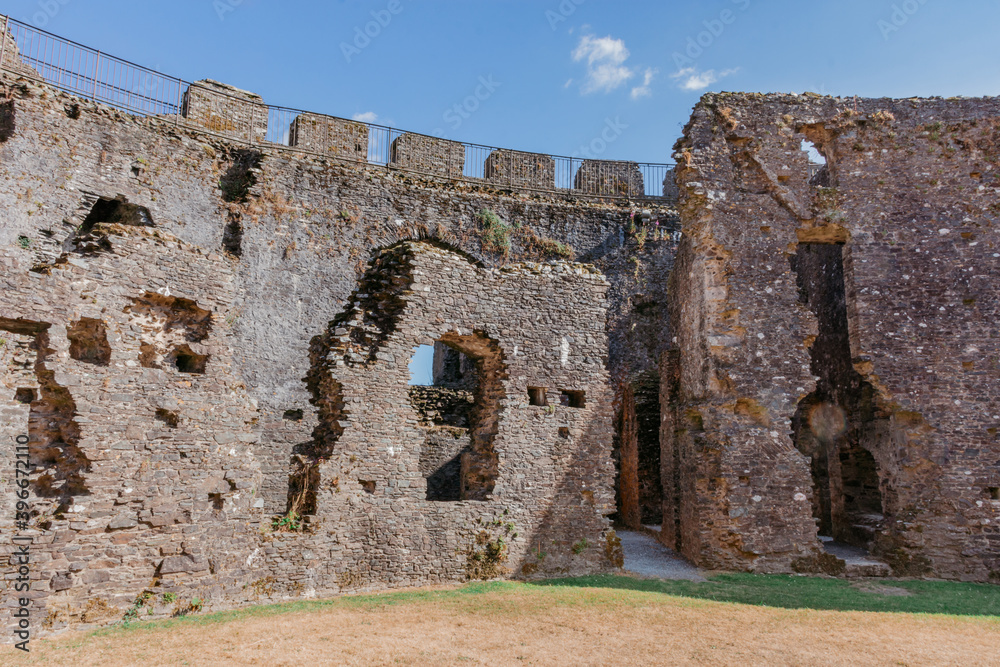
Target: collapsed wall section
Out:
[525,476]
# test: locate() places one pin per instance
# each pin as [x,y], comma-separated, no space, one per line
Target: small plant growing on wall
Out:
[490,549]
[494,233]
[613,549]
[287,523]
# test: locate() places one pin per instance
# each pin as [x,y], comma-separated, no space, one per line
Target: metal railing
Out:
[225,111]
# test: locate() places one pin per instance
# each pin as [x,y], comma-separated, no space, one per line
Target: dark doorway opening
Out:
[841,426]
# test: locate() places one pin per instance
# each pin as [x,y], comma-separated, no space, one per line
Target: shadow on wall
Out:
[60,466]
[842,423]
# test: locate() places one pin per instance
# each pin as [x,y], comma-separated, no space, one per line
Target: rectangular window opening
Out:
[572,399]
[536,396]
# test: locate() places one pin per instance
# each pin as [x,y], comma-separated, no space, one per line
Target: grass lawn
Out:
[791,592]
[736,619]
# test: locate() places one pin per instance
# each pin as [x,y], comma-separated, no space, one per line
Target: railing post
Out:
[177,116]
[3,48]
[97,68]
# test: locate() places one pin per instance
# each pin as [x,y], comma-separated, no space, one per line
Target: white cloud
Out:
[647,78]
[605,58]
[366,117]
[692,80]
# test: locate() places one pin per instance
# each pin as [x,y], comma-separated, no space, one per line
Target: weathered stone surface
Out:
[226,110]
[836,359]
[428,155]
[520,169]
[179,436]
[330,136]
[610,178]
[176,564]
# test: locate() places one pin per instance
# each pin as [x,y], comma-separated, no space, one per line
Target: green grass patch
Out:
[370,602]
[783,591]
[792,592]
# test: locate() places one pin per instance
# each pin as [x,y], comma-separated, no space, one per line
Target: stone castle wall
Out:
[201,336]
[837,361]
[290,238]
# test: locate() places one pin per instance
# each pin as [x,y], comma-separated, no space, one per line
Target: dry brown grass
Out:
[529,625]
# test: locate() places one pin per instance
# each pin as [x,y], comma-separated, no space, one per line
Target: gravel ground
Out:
[648,558]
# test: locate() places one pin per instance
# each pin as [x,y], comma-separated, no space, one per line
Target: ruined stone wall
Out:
[540,478]
[331,136]
[142,463]
[283,240]
[225,109]
[296,260]
[905,201]
[520,169]
[428,155]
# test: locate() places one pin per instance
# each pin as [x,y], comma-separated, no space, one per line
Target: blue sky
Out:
[546,75]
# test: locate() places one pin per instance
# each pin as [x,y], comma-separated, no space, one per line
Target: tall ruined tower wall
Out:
[838,356]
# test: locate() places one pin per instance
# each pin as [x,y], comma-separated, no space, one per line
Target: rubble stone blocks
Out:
[520,169]
[139,466]
[429,155]
[330,136]
[227,110]
[609,177]
[836,348]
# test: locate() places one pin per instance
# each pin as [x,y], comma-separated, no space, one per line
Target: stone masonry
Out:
[519,169]
[160,292]
[428,155]
[330,136]
[205,339]
[836,348]
[226,110]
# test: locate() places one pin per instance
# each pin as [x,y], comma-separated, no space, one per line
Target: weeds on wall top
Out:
[494,233]
[497,237]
